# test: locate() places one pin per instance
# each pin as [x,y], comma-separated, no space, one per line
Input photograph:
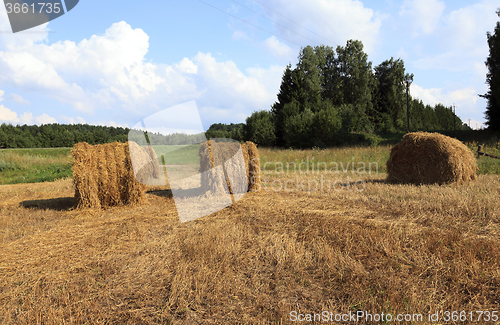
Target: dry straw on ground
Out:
[213,154]
[392,249]
[103,175]
[429,158]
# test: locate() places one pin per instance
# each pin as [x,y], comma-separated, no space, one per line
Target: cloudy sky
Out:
[117,62]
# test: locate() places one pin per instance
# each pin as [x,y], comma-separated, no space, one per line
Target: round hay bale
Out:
[206,164]
[430,158]
[213,154]
[85,175]
[252,159]
[103,175]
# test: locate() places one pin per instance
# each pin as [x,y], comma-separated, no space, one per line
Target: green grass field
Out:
[178,154]
[34,165]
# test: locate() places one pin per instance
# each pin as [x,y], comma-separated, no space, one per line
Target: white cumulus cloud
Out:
[19,99]
[109,74]
[97,72]
[461,37]
[465,99]
[45,119]
[424,15]
[9,116]
[6,115]
[278,48]
[325,21]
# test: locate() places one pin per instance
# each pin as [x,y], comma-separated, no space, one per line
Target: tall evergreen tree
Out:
[287,91]
[492,113]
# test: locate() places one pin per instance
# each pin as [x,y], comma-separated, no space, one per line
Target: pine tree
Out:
[492,113]
[285,96]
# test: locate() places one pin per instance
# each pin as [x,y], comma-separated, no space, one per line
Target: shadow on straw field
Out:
[376,181]
[160,192]
[58,204]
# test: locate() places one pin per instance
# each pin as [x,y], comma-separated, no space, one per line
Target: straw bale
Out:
[145,164]
[429,158]
[212,178]
[226,154]
[84,177]
[213,154]
[113,189]
[103,176]
[156,170]
[236,170]
[135,191]
[206,164]
[253,167]
[121,172]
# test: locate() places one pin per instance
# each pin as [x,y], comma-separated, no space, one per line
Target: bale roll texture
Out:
[84,176]
[213,154]
[206,164]
[212,179]
[430,158]
[147,170]
[134,192]
[253,165]
[103,175]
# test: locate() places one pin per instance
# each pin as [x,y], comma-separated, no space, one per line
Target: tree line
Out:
[333,94]
[58,135]
[62,135]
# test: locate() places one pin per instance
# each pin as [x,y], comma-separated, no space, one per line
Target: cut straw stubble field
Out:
[397,248]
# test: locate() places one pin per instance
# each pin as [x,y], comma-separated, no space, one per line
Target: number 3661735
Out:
[40,7]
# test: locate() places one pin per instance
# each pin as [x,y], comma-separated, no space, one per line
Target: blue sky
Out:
[117,62]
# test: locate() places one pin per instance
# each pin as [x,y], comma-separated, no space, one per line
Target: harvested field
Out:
[402,249]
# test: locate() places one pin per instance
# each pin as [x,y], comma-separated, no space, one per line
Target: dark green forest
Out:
[62,135]
[58,135]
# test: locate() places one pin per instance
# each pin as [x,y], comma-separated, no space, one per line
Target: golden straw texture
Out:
[429,158]
[103,175]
